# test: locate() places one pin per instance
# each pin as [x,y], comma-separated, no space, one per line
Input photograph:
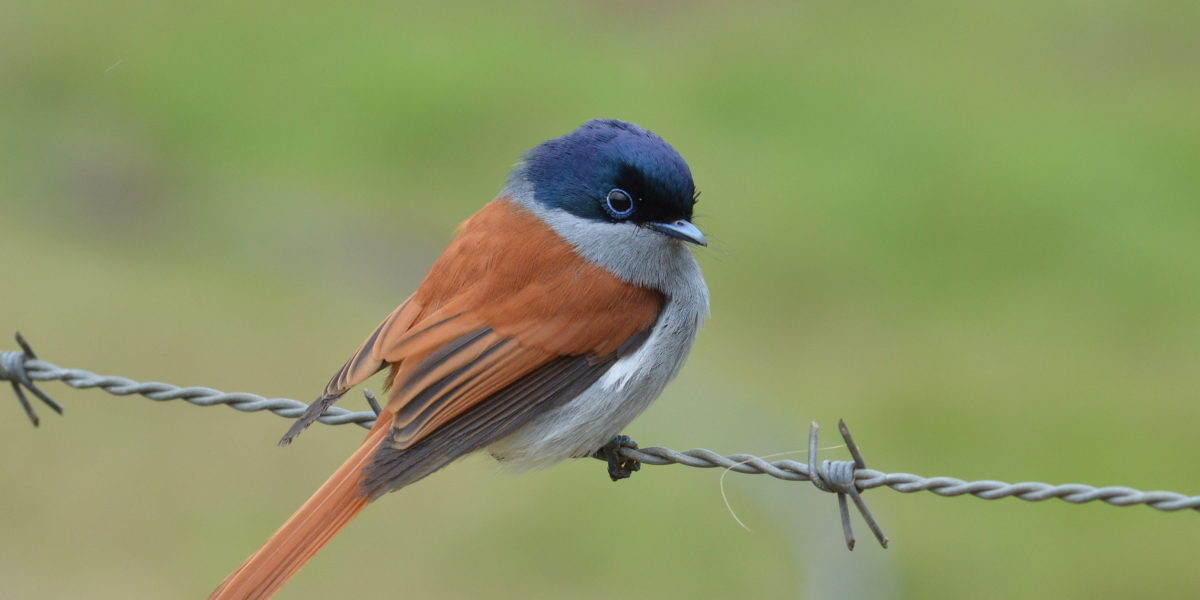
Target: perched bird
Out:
[557,315]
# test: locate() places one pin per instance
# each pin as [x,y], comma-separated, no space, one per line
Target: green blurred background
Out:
[971,229]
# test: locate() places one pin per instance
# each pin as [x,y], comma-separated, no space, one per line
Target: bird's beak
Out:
[681,229]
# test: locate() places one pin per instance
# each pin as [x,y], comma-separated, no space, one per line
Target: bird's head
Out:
[616,172]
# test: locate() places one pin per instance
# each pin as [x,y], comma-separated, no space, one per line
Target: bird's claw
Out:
[619,466]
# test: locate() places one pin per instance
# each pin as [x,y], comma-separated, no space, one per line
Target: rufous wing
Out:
[509,322]
[513,323]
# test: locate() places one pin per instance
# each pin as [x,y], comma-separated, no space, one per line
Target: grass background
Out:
[969,229]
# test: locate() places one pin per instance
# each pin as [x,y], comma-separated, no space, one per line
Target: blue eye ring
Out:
[618,204]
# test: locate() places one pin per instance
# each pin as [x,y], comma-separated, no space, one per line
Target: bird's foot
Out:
[619,467]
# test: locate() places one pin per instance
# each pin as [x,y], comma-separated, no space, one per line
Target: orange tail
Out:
[302,536]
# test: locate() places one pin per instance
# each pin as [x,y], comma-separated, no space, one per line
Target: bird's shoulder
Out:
[508,270]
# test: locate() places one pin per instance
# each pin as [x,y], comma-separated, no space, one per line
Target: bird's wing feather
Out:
[416,450]
[364,363]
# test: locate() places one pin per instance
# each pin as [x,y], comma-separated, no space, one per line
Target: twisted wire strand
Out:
[40,370]
[907,483]
[787,470]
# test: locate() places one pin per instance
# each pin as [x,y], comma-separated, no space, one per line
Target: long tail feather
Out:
[325,514]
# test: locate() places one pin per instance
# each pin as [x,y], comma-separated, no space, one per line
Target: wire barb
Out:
[372,401]
[839,477]
[12,369]
[843,478]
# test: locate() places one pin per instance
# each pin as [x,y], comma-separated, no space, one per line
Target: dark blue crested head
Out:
[610,170]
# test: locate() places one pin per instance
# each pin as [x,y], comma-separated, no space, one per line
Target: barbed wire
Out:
[40,370]
[907,483]
[844,478]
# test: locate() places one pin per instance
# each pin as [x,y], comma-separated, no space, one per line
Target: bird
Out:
[557,314]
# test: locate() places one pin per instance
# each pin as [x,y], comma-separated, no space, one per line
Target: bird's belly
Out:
[582,425]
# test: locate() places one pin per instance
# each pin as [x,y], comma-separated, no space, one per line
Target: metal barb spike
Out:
[25,404]
[372,401]
[13,370]
[29,353]
[838,477]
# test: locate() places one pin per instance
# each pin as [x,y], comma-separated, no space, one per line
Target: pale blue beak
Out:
[681,229]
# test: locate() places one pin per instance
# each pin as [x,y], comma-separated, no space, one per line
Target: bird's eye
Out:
[618,204]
